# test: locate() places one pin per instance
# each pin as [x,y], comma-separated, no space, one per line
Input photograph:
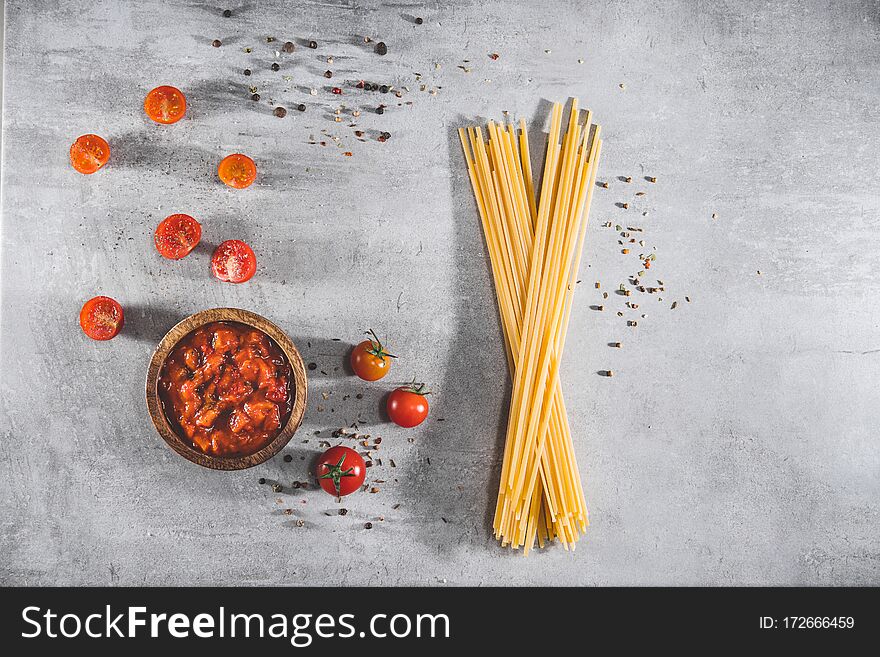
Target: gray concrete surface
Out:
[735,445]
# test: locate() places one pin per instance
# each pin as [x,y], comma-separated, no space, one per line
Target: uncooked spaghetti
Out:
[535,247]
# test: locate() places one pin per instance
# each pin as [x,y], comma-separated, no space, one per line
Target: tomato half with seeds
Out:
[233,262]
[369,360]
[408,406]
[101,318]
[89,153]
[177,235]
[165,104]
[341,471]
[237,170]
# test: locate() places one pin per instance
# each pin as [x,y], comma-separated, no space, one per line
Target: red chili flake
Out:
[336,90]
[494,56]
[347,153]
[361,84]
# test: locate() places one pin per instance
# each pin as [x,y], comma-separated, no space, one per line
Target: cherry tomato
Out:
[101,318]
[177,235]
[237,171]
[165,104]
[89,153]
[407,406]
[233,262]
[369,360]
[341,471]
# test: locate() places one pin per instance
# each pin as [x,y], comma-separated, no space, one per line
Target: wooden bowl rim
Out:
[299,388]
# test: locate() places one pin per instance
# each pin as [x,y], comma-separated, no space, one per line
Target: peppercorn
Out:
[419,20]
[384,89]
[275,66]
[387,135]
[302,108]
[216,43]
[380,110]
[288,458]
[288,46]
[262,480]
[247,71]
[368,525]
[328,74]
[277,488]
[227,13]
[381,48]
[313,44]
[255,97]
[313,366]
[343,511]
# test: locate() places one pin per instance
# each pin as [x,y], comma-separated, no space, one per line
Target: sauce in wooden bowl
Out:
[226,387]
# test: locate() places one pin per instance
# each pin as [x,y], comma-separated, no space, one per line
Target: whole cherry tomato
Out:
[89,153]
[237,171]
[165,104]
[177,235]
[233,262]
[101,318]
[341,471]
[407,406]
[369,360]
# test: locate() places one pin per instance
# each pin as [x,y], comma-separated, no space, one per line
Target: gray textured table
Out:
[735,444]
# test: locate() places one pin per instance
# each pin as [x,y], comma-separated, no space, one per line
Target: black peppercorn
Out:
[343,511]
[255,97]
[312,366]
[280,112]
[374,87]
[380,110]
[262,481]
[328,74]
[302,108]
[227,13]
[247,71]
[288,46]
[313,44]
[384,89]
[381,48]
[216,43]
[275,66]
[387,135]
[277,488]
[368,525]
[288,458]
[419,20]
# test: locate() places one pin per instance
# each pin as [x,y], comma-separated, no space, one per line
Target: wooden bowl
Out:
[298,388]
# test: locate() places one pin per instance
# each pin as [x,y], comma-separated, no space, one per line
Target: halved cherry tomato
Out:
[177,235]
[101,318]
[407,406]
[89,153]
[237,171]
[233,262]
[369,360]
[165,104]
[341,471]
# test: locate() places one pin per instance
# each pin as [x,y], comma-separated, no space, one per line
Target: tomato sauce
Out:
[226,387]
